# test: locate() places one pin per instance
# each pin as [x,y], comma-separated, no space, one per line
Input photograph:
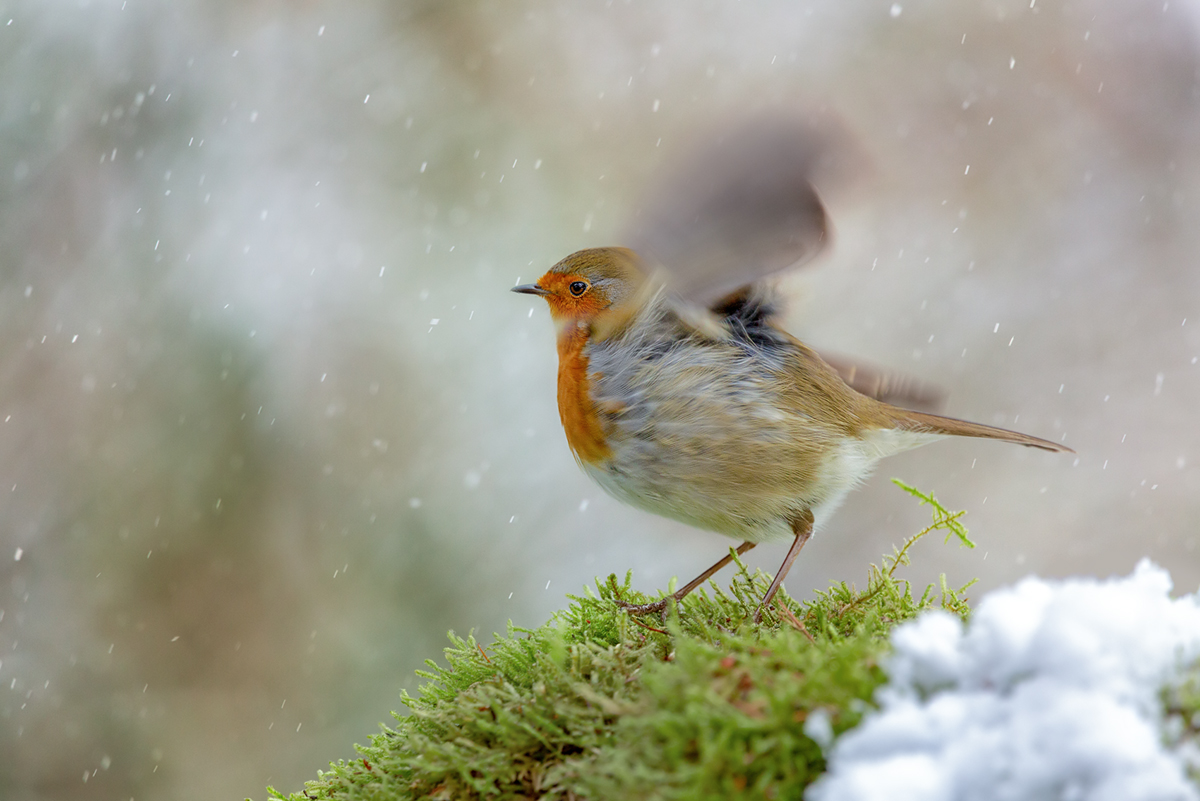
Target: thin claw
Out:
[645,609]
[758,613]
[679,595]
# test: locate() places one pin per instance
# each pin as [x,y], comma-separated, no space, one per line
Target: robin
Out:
[680,394]
[717,418]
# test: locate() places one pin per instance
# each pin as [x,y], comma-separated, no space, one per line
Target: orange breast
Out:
[580,421]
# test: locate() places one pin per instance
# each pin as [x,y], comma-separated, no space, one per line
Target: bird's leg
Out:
[661,604]
[803,527]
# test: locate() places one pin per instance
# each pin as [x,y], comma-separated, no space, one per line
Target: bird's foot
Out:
[659,606]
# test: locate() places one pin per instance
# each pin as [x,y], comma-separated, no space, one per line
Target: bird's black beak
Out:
[530,289]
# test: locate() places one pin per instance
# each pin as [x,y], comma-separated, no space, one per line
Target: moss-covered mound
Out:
[595,704]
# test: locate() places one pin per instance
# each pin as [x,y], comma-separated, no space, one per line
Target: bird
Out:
[679,392]
[727,423]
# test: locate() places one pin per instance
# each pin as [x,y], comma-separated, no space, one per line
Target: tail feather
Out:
[921,422]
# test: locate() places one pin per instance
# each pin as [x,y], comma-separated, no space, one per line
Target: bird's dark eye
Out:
[578,288]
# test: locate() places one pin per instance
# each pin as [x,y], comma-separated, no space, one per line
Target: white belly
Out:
[767,514]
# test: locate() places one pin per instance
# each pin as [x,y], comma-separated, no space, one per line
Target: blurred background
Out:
[271,423]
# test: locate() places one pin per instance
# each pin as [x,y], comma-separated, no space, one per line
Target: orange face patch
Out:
[572,297]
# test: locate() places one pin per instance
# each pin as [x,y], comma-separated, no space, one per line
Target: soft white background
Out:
[252,482]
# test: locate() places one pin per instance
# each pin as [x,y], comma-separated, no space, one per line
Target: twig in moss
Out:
[797,624]
[643,625]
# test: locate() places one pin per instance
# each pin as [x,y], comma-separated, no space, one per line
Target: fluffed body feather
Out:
[736,434]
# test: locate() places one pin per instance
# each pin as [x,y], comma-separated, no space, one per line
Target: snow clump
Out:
[1053,690]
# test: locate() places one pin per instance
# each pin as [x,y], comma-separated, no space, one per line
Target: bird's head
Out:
[585,285]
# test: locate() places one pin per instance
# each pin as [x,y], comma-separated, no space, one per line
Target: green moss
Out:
[596,704]
[1181,718]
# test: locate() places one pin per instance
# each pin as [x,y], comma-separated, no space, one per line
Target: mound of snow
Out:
[1052,691]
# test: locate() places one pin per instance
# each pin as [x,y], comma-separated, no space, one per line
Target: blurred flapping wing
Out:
[736,209]
[742,206]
